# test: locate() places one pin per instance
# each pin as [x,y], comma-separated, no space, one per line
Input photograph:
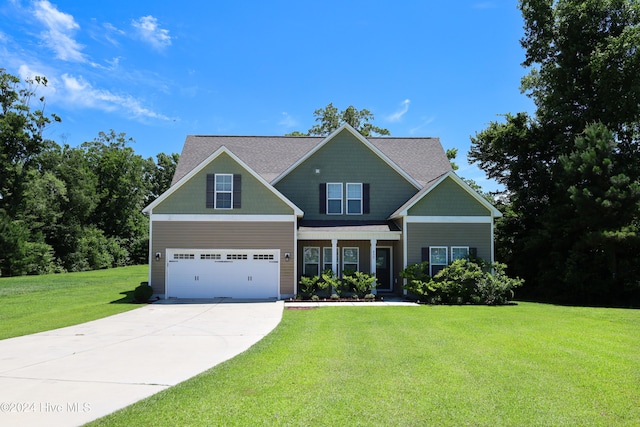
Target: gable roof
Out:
[404,209]
[421,159]
[176,185]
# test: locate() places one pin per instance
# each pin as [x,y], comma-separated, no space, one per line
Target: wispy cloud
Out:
[148,30]
[287,121]
[404,107]
[59,32]
[424,123]
[80,93]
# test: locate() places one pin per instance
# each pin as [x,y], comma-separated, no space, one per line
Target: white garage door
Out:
[229,273]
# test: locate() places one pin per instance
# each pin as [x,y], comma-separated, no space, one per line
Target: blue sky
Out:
[160,70]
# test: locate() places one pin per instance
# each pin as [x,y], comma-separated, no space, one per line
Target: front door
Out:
[383,269]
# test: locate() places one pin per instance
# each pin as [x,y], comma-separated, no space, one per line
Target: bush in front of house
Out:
[359,283]
[462,282]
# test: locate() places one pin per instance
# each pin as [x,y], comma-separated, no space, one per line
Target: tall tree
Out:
[329,119]
[583,59]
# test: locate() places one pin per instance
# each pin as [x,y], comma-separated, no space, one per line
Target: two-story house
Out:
[245,217]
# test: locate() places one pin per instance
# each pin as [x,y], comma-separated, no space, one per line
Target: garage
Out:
[222,273]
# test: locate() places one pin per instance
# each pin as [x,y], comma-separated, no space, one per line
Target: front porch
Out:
[352,246]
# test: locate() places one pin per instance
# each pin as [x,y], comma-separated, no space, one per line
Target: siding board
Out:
[439,234]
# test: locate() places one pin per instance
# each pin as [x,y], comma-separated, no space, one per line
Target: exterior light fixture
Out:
[158,256]
[287,256]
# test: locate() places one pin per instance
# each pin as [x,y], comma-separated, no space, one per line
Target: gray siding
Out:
[223,235]
[449,199]
[346,159]
[439,234]
[191,197]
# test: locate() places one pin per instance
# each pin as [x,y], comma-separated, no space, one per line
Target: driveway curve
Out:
[70,376]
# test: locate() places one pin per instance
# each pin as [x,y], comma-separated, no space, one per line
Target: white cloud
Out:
[424,123]
[395,117]
[80,93]
[58,35]
[287,121]
[148,30]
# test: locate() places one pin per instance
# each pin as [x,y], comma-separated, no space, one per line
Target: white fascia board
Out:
[362,139]
[449,219]
[349,235]
[149,209]
[222,218]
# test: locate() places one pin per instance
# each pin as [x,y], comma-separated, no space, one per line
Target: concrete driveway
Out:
[69,376]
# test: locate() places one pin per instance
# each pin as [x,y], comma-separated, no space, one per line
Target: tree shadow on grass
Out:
[126,299]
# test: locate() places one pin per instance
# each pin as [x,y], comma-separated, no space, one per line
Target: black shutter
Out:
[210,190]
[237,191]
[424,254]
[322,198]
[365,198]
[473,253]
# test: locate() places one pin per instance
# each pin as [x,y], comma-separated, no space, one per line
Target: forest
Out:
[68,208]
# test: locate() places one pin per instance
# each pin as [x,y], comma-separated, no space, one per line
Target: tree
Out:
[583,60]
[162,175]
[329,119]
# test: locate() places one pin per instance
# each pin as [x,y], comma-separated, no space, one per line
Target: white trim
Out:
[405,255]
[151,255]
[349,235]
[362,139]
[458,247]
[221,217]
[149,209]
[357,249]
[304,261]
[450,219]
[294,259]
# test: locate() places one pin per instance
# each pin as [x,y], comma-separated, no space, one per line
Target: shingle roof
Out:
[269,156]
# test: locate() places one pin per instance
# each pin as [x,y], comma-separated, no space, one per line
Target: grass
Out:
[524,365]
[31,304]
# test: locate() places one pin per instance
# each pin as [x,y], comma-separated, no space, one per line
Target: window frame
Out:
[357,263]
[216,191]
[466,248]
[305,263]
[326,260]
[360,199]
[341,198]
[432,264]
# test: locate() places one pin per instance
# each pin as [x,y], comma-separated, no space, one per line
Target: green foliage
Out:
[360,283]
[310,285]
[333,282]
[462,282]
[329,119]
[570,170]
[65,208]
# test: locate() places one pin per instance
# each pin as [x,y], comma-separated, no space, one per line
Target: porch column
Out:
[334,256]
[374,243]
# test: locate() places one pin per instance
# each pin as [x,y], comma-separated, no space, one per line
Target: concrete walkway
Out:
[69,376]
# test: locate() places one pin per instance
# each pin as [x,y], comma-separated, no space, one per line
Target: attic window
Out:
[224,191]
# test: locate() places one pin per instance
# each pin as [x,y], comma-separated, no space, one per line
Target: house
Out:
[245,217]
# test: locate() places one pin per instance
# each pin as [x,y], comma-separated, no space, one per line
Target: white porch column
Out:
[334,256]
[374,243]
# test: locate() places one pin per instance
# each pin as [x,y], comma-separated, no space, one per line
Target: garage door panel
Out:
[223,273]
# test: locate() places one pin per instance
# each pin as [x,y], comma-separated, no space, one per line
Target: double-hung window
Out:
[311,257]
[437,258]
[334,198]
[350,260]
[459,252]
[354,198]
[328,260]
[223,191]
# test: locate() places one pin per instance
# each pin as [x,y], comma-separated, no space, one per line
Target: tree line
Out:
[68,208]
[571,170]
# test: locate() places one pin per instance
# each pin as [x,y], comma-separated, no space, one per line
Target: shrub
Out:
[309,286]
[370,297]
[360,283]
[142,293]
[462,282]
[330,279]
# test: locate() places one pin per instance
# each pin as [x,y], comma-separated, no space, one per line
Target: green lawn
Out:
[30,304]
[524,365]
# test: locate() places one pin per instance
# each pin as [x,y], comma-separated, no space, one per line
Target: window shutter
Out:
[365,198]
[425,254]
[210,190]
[473,253]
[322,199]
[237,191]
